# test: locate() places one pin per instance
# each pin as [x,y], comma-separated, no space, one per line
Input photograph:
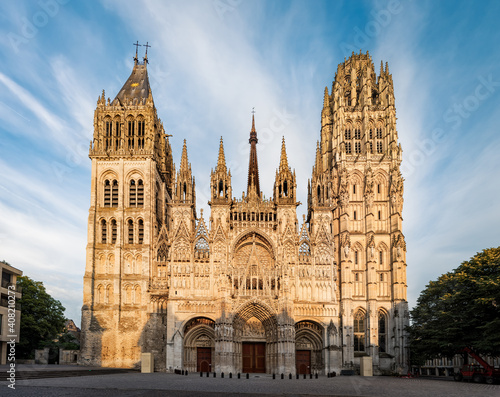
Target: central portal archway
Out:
[255,338]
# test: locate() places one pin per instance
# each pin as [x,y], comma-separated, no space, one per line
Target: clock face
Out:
[135,84]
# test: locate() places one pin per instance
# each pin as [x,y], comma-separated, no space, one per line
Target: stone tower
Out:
[132,177]
[356,190]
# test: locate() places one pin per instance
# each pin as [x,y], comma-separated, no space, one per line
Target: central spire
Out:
[253,167]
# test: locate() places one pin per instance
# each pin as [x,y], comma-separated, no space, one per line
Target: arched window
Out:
[141,231]
[357,133]
[109,294]
[348,98]
[109,128]
[132,199]
[304,249]
[118,133]
[359,331]
[131,133]
[382,332]
[130,231]
[381,257]
[114,194]
[357,147]
[137,294]
[140,134]
[379,146]
[100,294]
[107,193]
[379,133]
[347,134]
[140,193]
[348,148]
[104,231]
[356,259]
[162,253]
[113,231]
[221,188]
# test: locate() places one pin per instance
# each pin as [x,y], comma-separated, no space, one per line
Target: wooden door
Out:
[303,361]
[254,357]
[204,359]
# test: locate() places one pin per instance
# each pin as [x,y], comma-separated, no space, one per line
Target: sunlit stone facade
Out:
[250,288]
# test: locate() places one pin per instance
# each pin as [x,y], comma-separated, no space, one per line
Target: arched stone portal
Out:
[309,347]
[199,343]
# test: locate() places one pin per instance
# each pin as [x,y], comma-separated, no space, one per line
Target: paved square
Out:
[162,384]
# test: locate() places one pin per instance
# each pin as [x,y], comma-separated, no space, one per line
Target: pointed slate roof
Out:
[136,87]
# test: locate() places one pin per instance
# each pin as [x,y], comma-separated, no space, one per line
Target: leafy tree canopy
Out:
[461,308]
[42,317]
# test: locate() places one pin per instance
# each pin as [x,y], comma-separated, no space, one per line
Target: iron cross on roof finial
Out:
[146,56]
[137,45]
[253,110]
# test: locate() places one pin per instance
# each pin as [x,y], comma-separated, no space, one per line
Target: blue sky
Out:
[210,63]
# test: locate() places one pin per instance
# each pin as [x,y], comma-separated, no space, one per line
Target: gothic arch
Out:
[199,332]
[358,262]
[261,311]
[309,337]
[108,173]
[134,173]
[261,238]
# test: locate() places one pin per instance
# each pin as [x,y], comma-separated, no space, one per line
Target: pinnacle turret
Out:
[221,161]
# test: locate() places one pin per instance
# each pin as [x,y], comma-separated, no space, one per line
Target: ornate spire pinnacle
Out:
[253,167]
[326,100]
[283,159]
[318,158]
[221,161]
[184,159]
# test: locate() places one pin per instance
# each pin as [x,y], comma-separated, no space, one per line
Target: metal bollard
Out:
[290,376]
[248,375]
[310,376]
[208,374]
[201,374]
[282,376]
[222,374]
[297,375]
[186,373]
[230,375]
[316,375]
[304,376]
[238,375]
[274,376]
[215,374]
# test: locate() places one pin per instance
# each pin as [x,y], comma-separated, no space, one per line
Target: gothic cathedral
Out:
[249,289]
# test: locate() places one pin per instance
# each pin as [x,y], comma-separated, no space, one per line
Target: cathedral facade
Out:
[250,288]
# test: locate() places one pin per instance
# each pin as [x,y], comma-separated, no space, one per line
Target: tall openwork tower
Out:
[357,190]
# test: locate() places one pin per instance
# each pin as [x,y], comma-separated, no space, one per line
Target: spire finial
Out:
[137,45]
[283,160]
[184,158]
[253,167]
[221,161]
[146,56]
[326,99]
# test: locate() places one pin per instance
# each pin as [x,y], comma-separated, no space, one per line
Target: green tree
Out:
[461,308]
[42,317]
